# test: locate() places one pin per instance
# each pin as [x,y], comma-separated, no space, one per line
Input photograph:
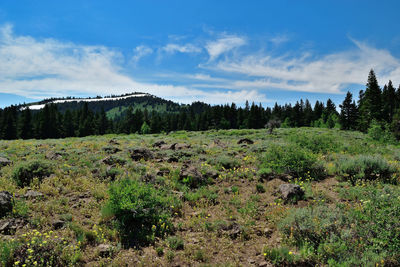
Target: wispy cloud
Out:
[187,48]
[223,45]
[308,73]
[40,68]
[140,52]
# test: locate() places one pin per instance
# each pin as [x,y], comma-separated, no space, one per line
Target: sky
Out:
[212,51]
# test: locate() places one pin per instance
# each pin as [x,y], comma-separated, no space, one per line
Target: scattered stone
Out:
[165,147]
[159,143]
[263,264]
[111,149]
[33,194]
[113,142]
[11,225]
[251,261]
[5,203]
[105,250]
[217,142]
[51,155]
[267,232]
[211,174]
[246,141]
[178,146]
[4,162]
[111,160]
[148,178]
[172,159]
[234,231]
[291,191]
[163,172]
[193,174]
[141,153]
[58,224]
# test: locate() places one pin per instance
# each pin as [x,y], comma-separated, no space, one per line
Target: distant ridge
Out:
[41,104]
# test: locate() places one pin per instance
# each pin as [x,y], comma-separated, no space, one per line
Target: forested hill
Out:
[377,111]
[114,104]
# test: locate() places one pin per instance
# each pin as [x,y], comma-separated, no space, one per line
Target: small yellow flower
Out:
[290,253]
[16,263]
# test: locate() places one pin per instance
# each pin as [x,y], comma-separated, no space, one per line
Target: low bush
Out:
[24,173]
[293,160]
[362,235]
[141,212]
[366,167]
[175,243]
[316,142]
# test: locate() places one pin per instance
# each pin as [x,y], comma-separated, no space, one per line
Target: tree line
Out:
[374,106]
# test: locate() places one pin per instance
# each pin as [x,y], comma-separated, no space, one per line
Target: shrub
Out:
[362,235]
[140,211]
[175,243]
[293,160]
[24,173]
[317,143]
[260,188]
[366,167]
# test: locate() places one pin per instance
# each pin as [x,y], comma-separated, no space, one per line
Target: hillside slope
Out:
[198,198]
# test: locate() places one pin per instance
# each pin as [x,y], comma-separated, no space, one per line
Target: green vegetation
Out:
[209,200]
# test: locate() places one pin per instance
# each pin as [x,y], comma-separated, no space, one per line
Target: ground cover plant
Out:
[201,199]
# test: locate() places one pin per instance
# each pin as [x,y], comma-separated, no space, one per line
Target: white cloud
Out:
[49,68]
[223,45]
[139,52]
[279,39]
[187,48]
[327,74]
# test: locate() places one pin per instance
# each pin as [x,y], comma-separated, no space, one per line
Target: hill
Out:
[297,197]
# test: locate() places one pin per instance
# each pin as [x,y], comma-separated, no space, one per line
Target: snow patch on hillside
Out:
[40,106]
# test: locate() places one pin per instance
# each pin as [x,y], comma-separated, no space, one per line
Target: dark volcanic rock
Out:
[5,203]
[51,155]
[111,149]
[178,146]
[141,153]
[9,226]
[246,141]
[192,176]
[291,191]
[4,162]
[159,143]
[111,160]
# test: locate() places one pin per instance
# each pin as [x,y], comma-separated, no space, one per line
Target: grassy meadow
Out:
[202,199]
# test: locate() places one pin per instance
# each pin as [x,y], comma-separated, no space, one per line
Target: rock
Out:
[33,194]
[163,172]
[267,232]
[194,176]
[159,143]
[51,155]
[165,147]
[105,250]
[217,142]
[251,261]
[178,146]
[172,159]
[4,162]
[234,231]
[9,226]
[6,204]
[113,142]
[263,264]
[111,149]
[112,160]
[148,178]
[211,174]
[291,191]
[141,153]
[246,141]
[58,224]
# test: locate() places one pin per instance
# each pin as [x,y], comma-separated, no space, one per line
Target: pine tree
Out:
[348,113]
[388,102]
[25,124]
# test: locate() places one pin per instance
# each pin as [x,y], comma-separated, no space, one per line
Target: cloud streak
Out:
[223,45]
[49,68]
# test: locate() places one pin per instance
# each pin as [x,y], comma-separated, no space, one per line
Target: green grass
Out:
[349,215]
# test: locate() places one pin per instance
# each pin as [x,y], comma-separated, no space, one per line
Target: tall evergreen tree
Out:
[348,113]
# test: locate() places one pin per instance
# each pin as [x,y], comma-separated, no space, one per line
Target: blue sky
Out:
[213,51]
